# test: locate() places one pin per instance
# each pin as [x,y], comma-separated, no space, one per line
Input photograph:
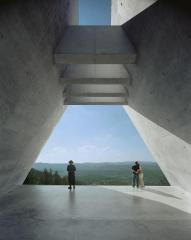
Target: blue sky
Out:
[94,133]
[95,12]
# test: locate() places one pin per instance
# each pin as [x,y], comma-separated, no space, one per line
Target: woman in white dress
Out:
[141,177]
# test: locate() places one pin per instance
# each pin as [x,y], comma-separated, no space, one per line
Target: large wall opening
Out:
[112,162]
[102,142]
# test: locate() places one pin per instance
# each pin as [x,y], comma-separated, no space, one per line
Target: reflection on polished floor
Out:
[89,213]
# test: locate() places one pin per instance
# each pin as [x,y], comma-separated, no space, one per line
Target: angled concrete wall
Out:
[123,10]
[172,153]
[160,90]
[30,91]
[161,86]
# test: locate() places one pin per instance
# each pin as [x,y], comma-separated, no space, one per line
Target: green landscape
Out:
[95,174]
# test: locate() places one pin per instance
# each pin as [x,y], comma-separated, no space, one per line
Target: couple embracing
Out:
[137,175]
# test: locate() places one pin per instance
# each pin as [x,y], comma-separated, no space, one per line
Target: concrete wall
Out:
[73,12]
[172,153]
[161,86]
[30,91]
[124,10]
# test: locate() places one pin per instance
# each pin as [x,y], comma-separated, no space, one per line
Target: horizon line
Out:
[92,162]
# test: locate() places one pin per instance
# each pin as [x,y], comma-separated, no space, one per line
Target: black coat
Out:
[71,174]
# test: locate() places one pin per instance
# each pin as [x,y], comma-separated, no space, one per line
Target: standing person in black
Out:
[71,174]
[135,170]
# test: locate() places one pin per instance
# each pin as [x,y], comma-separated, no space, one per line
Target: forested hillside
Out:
[95,174]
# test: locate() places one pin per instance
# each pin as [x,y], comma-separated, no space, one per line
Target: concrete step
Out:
[89,84]
[95,71]
[95,101]
[93,94]
[95,44]
[95,74]
[95,81]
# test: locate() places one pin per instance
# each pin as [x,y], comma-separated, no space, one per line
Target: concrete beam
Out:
[99,81]
[101,100]
[95,94]
[95,103]
[95,71]
[95,44]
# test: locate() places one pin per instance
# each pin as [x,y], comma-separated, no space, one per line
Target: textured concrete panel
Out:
[172,153]
[124,10]
[160,91]
[95,81]
[95,71]
[101,100]
[95,44]
[30,91]
[162,73]
[95,84]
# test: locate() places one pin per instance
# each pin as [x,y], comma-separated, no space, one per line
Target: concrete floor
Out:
[105,213]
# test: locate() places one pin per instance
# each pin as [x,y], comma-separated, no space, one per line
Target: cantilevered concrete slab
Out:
[96,213]
[99,81]
[95,90]
[95,71]
[95,84]
[91,94]
[103,100]
[95,44]
[95,74]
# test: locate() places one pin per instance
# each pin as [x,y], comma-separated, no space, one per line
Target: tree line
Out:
[100,176]
[46,177]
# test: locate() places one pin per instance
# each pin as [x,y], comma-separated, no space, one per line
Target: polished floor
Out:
[92,213]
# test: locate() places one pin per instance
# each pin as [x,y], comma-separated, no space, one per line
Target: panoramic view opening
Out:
[103,144]
[95,109]
[100,140]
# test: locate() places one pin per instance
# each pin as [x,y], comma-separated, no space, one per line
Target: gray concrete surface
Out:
[95,84]
[101,100]
[162,74]
[160,91]
[30,91]
[46,212]
[171,152]
[123,10]
[95,44]
[95,71]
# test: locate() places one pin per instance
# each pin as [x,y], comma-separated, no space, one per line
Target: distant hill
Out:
[108,173]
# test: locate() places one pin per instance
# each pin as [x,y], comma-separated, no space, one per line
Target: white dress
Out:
[141,178]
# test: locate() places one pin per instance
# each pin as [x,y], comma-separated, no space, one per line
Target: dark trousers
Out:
[71,179]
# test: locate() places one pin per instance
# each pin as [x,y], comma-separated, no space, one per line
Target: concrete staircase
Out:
[94,59]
